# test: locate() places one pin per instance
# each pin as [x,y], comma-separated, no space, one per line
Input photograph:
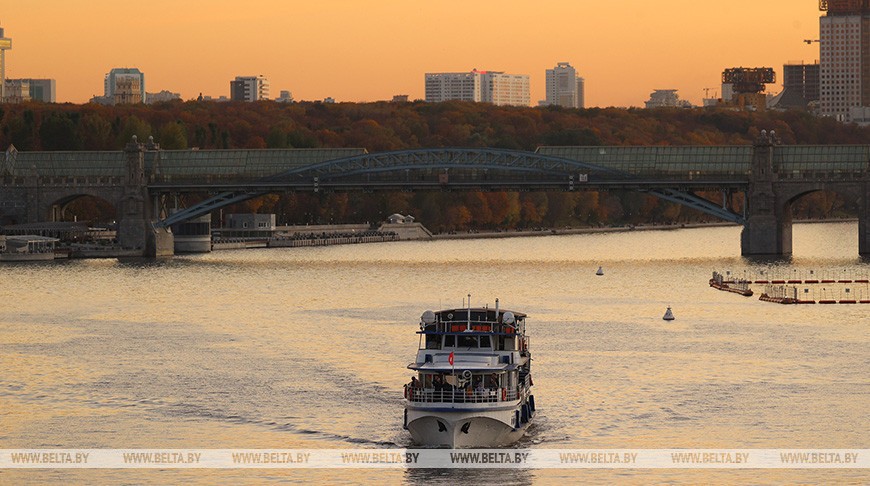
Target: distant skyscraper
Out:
[124,86]
[5,45]
[482,86]
[564,87]
[844,44]
[249,88]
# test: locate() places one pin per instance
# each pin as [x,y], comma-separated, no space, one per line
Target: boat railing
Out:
[460,395]
[488,326]
[525,389]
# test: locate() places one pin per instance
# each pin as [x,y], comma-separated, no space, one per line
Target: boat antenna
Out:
[468,326]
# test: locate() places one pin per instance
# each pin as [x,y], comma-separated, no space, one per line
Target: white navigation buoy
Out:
[600,271]
[669,315]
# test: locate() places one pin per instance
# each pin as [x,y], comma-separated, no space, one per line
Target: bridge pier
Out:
[768,226]
[767,236]
[136,228]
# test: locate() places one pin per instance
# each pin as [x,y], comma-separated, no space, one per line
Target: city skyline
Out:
[624,51]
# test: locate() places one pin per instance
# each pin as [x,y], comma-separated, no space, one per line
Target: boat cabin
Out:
[470,329]
[28,244]
[472,356]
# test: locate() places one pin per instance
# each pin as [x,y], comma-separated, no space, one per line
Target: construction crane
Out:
[810,41]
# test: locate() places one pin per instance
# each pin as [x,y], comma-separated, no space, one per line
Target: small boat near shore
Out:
[472,385]
[27,248]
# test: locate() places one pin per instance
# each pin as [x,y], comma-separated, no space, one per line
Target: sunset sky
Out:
[367,50]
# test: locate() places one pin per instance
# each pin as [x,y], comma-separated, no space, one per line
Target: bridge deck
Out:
[654,163]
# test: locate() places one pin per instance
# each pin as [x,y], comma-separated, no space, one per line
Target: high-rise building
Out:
[453,86]
[800,87]
[564,87]
[804,78]
[505,89]
[124,86]
[494,87]
[844,61]
[249,88]
[5,45]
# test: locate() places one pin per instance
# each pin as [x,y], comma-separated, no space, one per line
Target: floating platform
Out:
[778,300]
[790,300]
[808,281]
[785,289]
[746,292]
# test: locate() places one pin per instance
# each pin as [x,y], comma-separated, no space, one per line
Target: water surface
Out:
[307,348]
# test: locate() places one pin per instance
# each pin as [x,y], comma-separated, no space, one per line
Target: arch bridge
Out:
[143,180]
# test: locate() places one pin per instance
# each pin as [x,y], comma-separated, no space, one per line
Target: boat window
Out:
[433,341]
[467,341]
[450,341]
[484,342]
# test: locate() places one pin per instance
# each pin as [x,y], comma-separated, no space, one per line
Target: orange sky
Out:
[366,50]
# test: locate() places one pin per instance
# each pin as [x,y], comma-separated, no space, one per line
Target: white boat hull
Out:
[464,429]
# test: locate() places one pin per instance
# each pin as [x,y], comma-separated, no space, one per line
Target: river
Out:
[308,348]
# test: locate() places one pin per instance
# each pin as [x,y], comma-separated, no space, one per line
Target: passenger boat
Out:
[26,248]
[472,385]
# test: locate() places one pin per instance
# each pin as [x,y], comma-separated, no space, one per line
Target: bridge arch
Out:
[65,206]
[449,159]
[790,194]
[438,169]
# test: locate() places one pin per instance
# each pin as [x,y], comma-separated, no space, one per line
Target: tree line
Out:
[385,126]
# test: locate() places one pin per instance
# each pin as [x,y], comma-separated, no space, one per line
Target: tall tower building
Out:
[249,88]
[5,45]
[124,86]
[844,58]
[564,87]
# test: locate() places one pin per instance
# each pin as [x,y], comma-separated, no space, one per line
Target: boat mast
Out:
[468,326]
